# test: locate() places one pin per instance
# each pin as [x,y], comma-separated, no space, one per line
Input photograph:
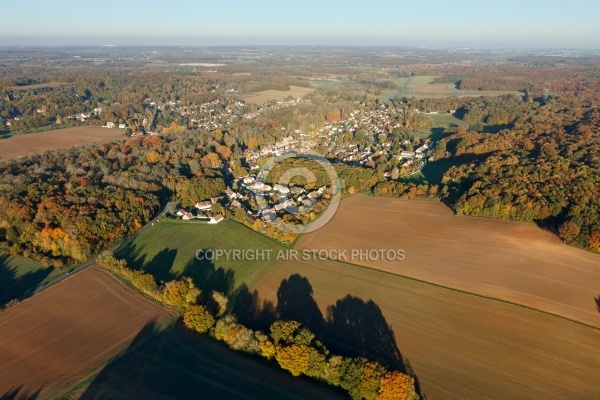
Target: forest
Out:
[533,158]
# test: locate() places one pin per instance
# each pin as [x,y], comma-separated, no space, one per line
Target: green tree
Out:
[283,331]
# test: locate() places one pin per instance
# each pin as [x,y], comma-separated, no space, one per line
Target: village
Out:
[374,149]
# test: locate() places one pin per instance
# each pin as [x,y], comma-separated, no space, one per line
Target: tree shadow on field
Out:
[17,394]
[207,276]
[597,299]
[173,362]
[18,287]
[248,309]
[358,327]
[352,326]
[159,266]
[295,301]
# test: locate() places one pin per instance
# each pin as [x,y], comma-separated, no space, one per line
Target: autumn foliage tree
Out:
[595,241]
[293,358]
[198,318]
[568,231]
[395,385]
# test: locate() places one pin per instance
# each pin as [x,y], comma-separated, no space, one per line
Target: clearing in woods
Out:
[514,261]
[422,87]
[277,95]
[23,145]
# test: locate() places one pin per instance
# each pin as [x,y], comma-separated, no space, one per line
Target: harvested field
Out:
[509,260]
[460,346]
[277,95]
[67,332]
[22,145]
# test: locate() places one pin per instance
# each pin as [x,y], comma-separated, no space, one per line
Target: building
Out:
[203,205]
[216,219]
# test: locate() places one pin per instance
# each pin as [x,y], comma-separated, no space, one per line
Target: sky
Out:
[425,23]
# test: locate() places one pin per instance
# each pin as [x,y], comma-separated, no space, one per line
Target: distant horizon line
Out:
[432,47]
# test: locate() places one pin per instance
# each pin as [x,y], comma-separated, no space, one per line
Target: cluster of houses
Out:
[278,199]
[412,157]
[203,207]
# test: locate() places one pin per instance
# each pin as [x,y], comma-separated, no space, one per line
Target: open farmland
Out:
[422,87]
[460,346]
[179,364]
[22,145]
[277,95]
[515,261]
[58,337]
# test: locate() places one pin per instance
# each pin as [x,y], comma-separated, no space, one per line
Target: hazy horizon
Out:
[510,24]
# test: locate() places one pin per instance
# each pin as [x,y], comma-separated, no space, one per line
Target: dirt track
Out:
[510,260]
[58,337]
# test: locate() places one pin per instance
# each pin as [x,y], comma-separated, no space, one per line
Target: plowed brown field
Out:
[31,143]
[514,261]
[461,346]
[68,331]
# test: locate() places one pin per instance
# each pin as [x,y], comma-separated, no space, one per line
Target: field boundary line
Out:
[595,327]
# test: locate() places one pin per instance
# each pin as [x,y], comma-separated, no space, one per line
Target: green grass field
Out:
[18,277]
[440,122]
[422,87]
[168,249]
[318,84]
[432,172]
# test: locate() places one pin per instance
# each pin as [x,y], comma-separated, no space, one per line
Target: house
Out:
[407,154]
[216,219]
[203,205]
[236,204]
[248,179]
[281,189]
[122,126]
[214,200]
[187,216]
[297,190]
[230,193]
[109,125]
[181,212]
[269,218]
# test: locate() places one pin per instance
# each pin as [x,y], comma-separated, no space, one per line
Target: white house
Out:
[281,189]
[109,125]
[216,219]
[203,205]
